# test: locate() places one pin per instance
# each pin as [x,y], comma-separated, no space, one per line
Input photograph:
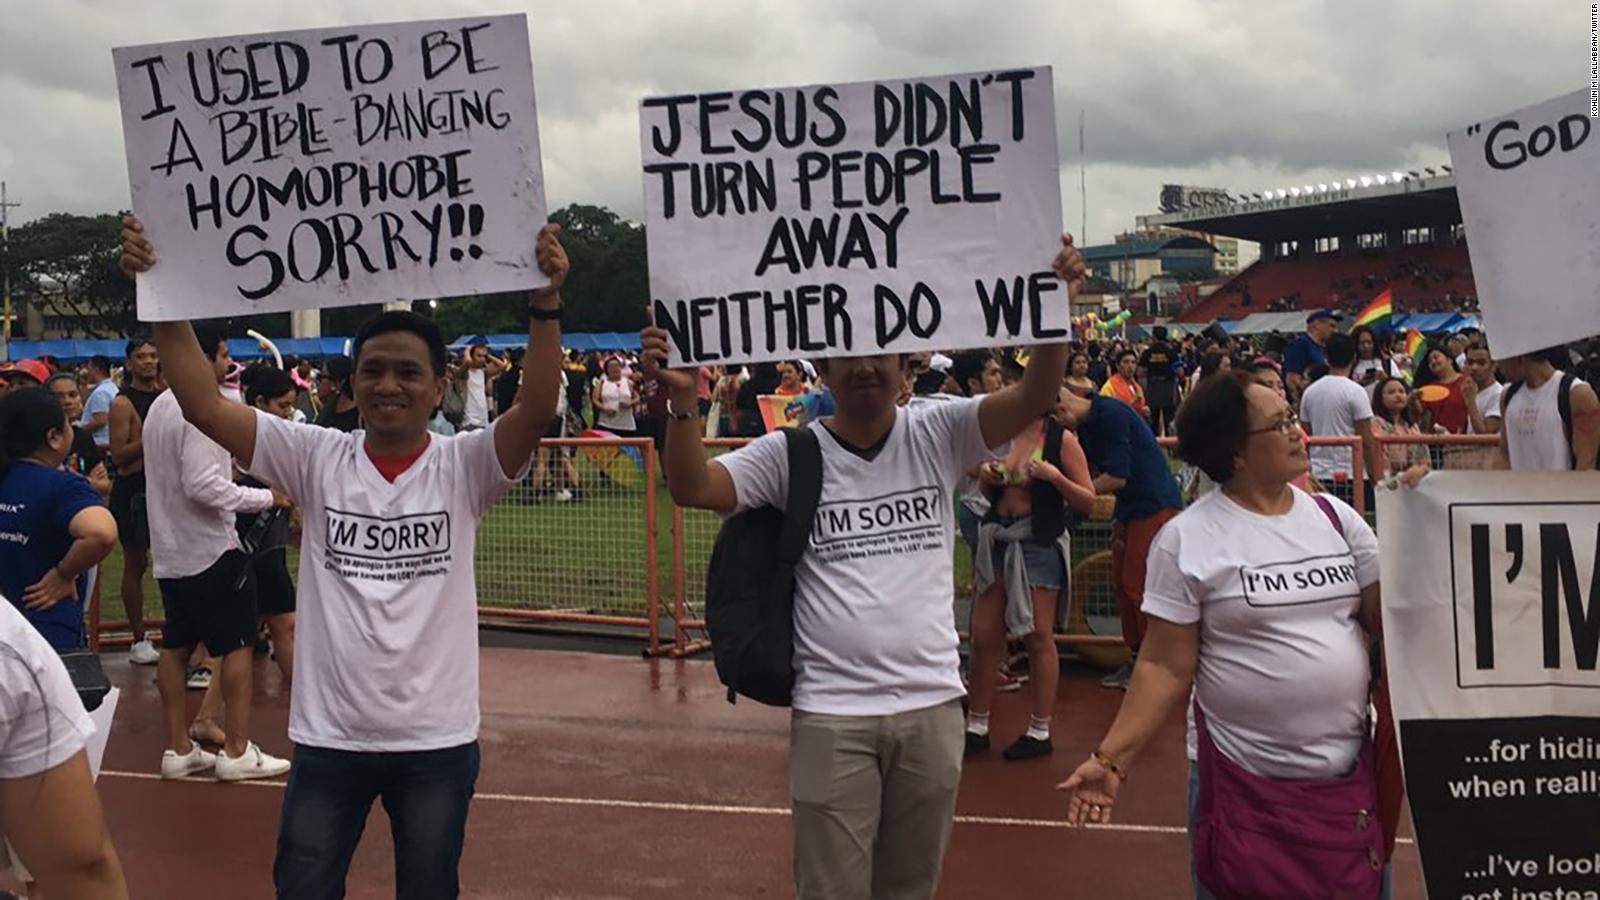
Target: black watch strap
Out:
[540,314]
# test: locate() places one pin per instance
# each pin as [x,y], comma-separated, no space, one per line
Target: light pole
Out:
[5,276]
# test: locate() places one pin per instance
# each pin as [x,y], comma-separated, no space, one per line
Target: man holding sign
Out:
[876,735]
[385,691]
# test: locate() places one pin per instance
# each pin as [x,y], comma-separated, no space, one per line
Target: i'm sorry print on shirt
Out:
[891,525]
[387,549]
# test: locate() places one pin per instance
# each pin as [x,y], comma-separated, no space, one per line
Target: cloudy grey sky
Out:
[1242,95]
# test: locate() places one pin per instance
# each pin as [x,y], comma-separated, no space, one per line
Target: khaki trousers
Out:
[874,798]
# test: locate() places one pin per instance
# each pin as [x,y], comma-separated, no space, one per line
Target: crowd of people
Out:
[207,472]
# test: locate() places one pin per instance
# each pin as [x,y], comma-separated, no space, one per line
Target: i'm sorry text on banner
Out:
[1529,183]
[334,166]
[854,219]
[1491,609]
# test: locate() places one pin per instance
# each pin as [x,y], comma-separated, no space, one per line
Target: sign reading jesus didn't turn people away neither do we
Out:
[334,166]
[854,219]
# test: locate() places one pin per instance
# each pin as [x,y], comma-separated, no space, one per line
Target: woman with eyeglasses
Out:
[1260,599]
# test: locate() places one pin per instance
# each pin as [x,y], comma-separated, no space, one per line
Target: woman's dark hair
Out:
[265,381]
[1424,374]
[27,416]
[405,320]
[1214,424]
[1076,355]
[1355,336]
[1408,413]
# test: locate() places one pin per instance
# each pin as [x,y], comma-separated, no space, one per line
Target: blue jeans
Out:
[1200,893]
[425,793]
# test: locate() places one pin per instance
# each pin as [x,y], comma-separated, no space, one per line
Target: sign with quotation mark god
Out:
[333,167]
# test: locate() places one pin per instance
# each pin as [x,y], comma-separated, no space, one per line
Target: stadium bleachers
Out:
[1423,278]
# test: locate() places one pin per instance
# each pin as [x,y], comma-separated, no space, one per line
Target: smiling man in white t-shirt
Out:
[385,691]
[875,741]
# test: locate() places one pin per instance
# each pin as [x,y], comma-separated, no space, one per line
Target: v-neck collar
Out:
[369,469]
[892,438]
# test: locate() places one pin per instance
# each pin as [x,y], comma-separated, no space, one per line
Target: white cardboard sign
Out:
[854,219]
[1529,184]
[334,166]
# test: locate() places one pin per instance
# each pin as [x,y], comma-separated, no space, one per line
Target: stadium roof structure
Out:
[1370,205]
[1142,248]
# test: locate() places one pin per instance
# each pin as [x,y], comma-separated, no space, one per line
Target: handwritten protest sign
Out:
[334,166]
[1491,623]
[1529,183]
[854,219]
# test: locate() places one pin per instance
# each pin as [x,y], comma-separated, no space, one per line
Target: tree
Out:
[70,263]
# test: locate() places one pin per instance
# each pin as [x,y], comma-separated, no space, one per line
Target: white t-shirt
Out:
[1489,401]
[191,496]
[477,401]
[1363,366]
[386,653]
[612,393]
[874,611]
[1283,665]
[1536,438]
[42,721]
[1331,407]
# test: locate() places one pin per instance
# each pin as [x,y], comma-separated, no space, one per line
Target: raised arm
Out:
[1003,414]
[188,371]
[693,480]
[517,433]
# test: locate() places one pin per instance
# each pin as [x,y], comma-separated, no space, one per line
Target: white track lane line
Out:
[714,808]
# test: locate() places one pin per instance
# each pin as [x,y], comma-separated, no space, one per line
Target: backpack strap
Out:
[805,491]
[1564,407]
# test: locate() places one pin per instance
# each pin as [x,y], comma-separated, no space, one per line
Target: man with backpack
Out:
[1550,420]
[876,733]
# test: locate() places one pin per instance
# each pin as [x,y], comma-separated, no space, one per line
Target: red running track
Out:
[610,777]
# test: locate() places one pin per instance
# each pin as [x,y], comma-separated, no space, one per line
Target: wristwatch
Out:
[681,416]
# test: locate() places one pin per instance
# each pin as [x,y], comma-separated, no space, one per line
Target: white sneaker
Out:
[255,763]
[196,760]
[563,496]
[144,653]
[199,679]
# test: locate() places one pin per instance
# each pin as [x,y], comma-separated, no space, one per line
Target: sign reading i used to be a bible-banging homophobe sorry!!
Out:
[854,219]
[333,166]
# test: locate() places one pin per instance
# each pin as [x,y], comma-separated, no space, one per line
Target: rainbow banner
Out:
[1416,349]
[1376,314]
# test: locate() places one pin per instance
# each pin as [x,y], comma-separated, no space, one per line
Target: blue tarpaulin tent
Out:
[1430,323]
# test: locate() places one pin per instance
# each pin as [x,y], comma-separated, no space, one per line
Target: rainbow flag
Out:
[1416,349]
[1377,313]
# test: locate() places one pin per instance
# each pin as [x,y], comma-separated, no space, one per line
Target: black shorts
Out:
[557,428]
[274,587]
[211,608]
[127,504]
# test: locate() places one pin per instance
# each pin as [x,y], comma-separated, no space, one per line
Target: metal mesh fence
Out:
[576,539]
[591,535]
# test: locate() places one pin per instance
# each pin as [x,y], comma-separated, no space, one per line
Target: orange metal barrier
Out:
[584,561]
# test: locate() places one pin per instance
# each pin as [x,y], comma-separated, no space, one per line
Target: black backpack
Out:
[750,583]
[1563,407]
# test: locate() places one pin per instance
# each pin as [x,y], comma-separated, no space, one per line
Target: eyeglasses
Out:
[1289,424]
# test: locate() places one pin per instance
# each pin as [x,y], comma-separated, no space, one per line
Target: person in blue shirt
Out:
[53,527]
[1130,464]
[96,419]
[1305,351]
